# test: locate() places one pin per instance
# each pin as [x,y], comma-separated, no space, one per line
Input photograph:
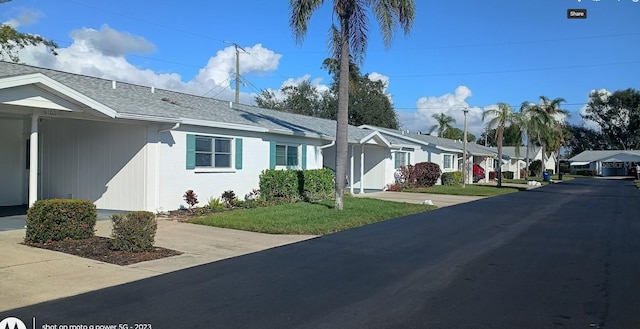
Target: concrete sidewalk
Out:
[32,275]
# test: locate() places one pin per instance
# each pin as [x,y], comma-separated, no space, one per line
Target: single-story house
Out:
[605,163]
[447,153]
[132,147]
[516,162]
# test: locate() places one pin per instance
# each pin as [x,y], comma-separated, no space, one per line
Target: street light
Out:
[464,155]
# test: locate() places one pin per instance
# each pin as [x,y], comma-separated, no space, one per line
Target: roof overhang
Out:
[50,85]
[375,138]
[579,163]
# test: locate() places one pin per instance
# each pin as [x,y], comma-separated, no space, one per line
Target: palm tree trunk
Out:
[499,142]
[526,169]
[342,120]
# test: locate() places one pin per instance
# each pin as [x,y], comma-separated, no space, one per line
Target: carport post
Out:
[33,161]
[361,168]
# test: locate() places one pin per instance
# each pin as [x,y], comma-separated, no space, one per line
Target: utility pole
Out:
[238,48]
[465,171]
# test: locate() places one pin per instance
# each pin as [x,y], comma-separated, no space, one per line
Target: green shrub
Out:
[59,219]
[292,185]
[278,184]
[452,178]
[426,174]
[585,172]
[215,204]
[315,184]
[508,174]
[133,232]
[535,167]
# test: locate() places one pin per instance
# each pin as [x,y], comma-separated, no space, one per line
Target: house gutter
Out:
[328,145]
[176,126]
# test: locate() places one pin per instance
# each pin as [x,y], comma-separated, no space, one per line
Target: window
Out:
[447,161]
[213,152]
[400,159]
[286,155]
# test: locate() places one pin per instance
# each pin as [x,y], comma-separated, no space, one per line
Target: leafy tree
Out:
[444,123]
[618,115]
[583,139]
[348,38]
[368,104]
[458,134]
[11,41]
[499,118]
[510,137]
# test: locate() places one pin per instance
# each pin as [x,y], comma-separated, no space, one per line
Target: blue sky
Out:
[460,53]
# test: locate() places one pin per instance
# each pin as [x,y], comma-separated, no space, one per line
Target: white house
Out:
[606,163]
[447,153]
[131,147]
[515,162]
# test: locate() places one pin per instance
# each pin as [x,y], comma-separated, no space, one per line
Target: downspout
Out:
[176,126]
[328,145]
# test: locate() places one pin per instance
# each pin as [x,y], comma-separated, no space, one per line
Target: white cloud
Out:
[102,53]
[110,42]
[451,104]
[26,17]
[375,76]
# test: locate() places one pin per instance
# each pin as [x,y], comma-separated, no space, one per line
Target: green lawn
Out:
[565,177]
[472,190]
[637,183]
[311,218]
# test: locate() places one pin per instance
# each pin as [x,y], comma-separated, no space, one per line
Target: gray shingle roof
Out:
[139,100]
[450,144]
[590,156]
[510,151]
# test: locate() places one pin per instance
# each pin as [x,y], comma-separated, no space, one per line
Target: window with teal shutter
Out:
[238,153]
[191,151]
[304,156]
[272,155]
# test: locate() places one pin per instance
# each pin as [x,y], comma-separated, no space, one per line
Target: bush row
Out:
[315,184]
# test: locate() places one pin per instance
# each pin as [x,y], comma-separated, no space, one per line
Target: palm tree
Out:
[556,135]
[539,127]
[500,118]
[350,38]
[444,124]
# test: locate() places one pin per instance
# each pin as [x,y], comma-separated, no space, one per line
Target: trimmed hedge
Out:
[59,219]
[292,185]
[134,232]
[422,174]
[452,178]
[508,174]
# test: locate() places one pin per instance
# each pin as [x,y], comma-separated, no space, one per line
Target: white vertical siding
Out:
[12,162]
[99,161]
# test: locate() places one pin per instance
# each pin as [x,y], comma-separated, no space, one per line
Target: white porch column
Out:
[351,173]
[361,169]
[488,163]
[33,161]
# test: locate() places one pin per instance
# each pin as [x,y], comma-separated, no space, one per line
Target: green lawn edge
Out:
[311,218]
[469,190]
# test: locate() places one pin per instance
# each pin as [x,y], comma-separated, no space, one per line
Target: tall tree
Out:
[444,124]
[11,41]
[510,137]
[618,115]
[584,138]
[556,136]
[499,118]
[349,38]
[458,134]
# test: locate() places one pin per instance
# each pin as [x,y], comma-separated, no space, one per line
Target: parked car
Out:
[478,173]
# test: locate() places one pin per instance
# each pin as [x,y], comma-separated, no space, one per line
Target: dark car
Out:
[478,173]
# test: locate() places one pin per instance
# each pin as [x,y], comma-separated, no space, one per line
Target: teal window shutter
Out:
[304,156]
[272,155]
[191,151]
[408,159]
[238,153]
[396,158]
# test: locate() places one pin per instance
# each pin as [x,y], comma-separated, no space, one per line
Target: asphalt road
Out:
[562,256]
